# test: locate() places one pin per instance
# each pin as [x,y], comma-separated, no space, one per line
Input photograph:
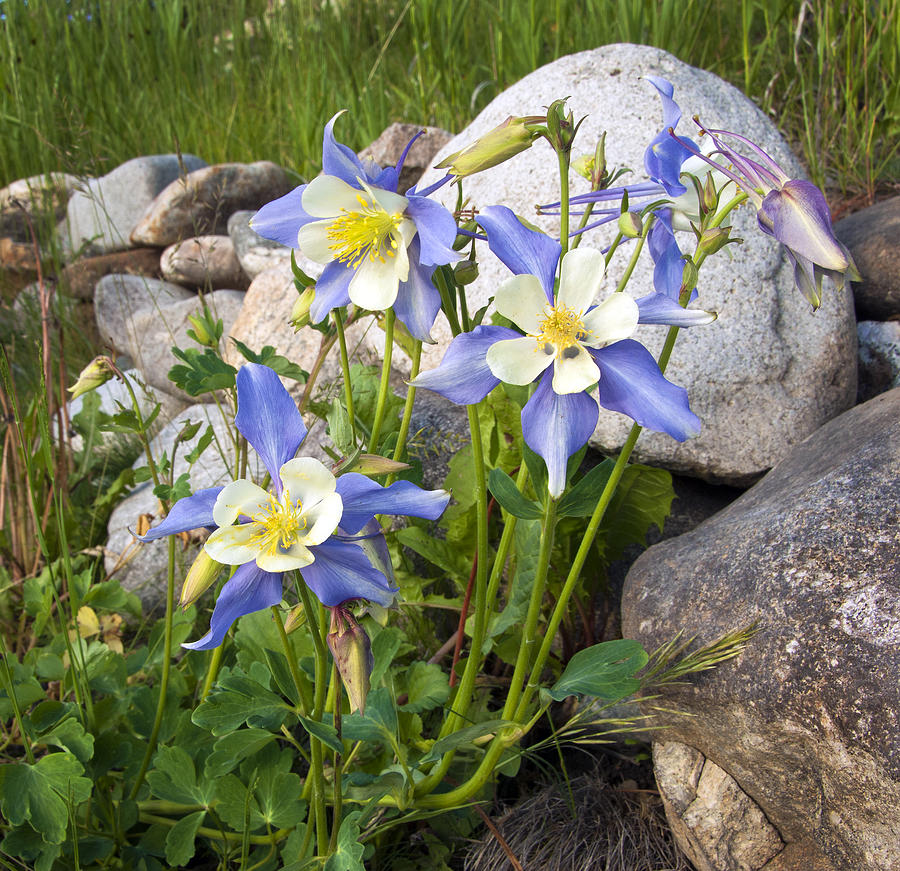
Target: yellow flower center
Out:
[370,232]
[281,522]
[561,328]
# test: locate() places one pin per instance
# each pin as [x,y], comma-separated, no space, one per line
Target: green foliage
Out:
[605,670]
[201,371]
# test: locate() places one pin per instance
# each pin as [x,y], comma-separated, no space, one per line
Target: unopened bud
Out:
[630,225]
[710,198]
[584,166]
[300,310]
[689,276]
[201,334]
[200,578]
[352,652]
[495,147]
[465,272]
[97,372]
[372,464]
[714,239]
[295,619]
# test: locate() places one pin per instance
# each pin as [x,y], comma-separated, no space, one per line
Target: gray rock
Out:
[154,333]
[36,198]
[142,568]
[873,237]
[103,212]
[763,376]
[81,277]
[254,253]
[206,262]
[879,357]
[264,320]
[201,203]
[387,149]
[806,720]
[118,299]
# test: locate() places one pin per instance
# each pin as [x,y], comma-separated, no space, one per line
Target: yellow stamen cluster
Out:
[370,232]
[562,328]
[281,522]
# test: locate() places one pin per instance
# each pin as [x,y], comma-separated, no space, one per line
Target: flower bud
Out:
[630,225]
[584,166]
[300,311]
[495,147]
[465,272]
[200,578]
[201,334]
[371,464]
[713,239]
[689,276]
[295,619]
[97,372]
[352,652]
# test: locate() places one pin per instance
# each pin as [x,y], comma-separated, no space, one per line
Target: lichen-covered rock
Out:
[387,149]
[873,237]
[205,262]
[806,719]
[201,203]
[767,373]
[102,213]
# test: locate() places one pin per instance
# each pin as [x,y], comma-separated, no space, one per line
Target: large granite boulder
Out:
[102,214]
[201,203]
[806,720]
[768,372]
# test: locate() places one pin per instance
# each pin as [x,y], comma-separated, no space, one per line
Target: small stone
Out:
[873,237]
[102,213]
[255,254]
[18,256]
[205,262]
[879,357]
[202,202]
[37,198]
[81,277]
[387,149]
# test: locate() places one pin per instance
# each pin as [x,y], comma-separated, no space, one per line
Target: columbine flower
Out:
[793,211]
[308,521]
[570,344]
[380,248]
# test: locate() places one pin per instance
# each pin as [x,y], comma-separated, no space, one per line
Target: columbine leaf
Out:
[326,734]
[239,699]
[180,839]
[349,852]
[507,494]
[173,778]
[268,357]
[605,670]
[230,749]
[201,371]
[455,740]
[581,500]
[427,686]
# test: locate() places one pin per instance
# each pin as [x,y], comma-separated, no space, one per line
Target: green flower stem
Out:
[585,217]
[316,751]
[400,447]
[635,255]
[563,201]
[212,671]
[587,542]
[337,785]
[381,405]
[164,679]
[338,315]
[506,539]
[326,345]
[10,689]
[216,834]
[142,432]
[301,681]
[444,286]
[526,645]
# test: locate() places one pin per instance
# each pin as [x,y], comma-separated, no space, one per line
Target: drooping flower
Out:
[309,521]
[569,345]
[379,248]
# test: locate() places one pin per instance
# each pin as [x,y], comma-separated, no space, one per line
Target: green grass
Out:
[85,93]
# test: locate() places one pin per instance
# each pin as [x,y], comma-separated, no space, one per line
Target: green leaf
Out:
[537,469]
[180,840]
[201,371]
[173,778]
[445,555]
[230,749]
[605,670]
[348,852]
[281,672]
[581,500]
[507,494]
[642,499]
[27,844]
[70,735]
[339,428]
[455,740]
[301,279]
[385,646]
[238,699]
[39,793]
[326,734]
[427,686]
[268,357]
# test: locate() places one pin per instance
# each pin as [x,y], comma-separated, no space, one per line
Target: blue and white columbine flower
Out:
[308,521]
[379,248]
[569,345]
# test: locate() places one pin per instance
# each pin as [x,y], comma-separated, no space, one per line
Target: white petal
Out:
[407,230]
[580,278]
[523,301]
[519,361]
[306,480]
[322,519]
[238,497]
[294,557]
[314,242]
[393,204]
[234,545]
[575,370]
[327,195]
[613,320]
[375,284]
